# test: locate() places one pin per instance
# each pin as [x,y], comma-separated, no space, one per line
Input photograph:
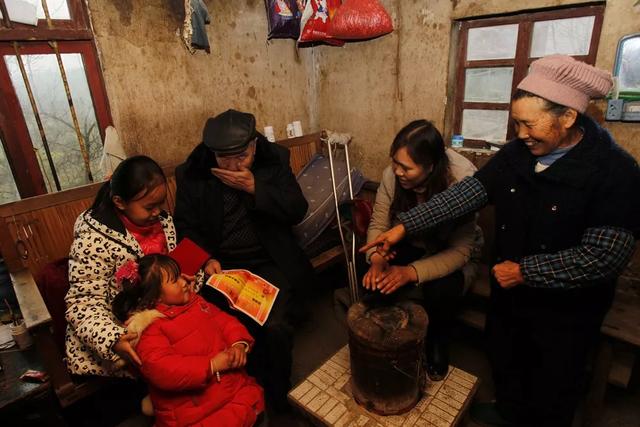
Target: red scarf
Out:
[151,238]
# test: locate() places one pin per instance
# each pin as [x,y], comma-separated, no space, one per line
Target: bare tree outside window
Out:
[46,84]
[8,189]
[54,107]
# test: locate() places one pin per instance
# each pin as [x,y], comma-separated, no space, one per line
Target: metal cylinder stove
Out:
[386,343]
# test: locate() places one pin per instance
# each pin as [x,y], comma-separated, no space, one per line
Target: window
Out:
[494,55]
[54,109]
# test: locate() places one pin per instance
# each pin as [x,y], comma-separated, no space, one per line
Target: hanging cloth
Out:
[112,152]
[194,32]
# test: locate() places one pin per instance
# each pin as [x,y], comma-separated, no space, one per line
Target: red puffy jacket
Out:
[175,353]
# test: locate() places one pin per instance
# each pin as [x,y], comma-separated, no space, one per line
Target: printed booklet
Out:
[247,292]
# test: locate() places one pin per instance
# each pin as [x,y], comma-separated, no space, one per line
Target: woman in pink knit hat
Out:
[567,215]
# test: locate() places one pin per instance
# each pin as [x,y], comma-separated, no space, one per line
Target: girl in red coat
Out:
[192,353]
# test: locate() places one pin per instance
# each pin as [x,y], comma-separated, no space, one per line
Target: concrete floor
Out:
[323,334]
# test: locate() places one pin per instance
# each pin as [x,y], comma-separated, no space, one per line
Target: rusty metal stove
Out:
[386,343]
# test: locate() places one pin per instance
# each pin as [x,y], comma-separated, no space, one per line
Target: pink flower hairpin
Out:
[128,271]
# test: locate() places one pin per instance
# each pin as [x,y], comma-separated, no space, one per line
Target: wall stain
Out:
[176,10]
[124,8]
[251,93]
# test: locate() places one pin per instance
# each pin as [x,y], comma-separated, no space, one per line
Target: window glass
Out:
[58,9]
[570,36]
[8,189]
[488,84]
[486,125]
[48,90]
[629,65]
[497,42]
[83,103]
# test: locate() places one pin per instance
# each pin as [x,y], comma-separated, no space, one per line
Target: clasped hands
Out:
[233,357]
[508,274]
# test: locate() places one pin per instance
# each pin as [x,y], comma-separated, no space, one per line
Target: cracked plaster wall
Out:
[161,95]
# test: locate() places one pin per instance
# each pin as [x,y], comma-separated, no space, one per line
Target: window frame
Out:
[520,62]
[76,28]
[72,36]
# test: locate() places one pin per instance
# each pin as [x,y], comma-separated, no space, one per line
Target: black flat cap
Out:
[229,132]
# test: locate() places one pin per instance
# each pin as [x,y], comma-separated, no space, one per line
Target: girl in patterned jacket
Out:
[192,352]
[125,222]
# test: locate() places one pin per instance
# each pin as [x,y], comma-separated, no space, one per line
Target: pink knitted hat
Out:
[566,81]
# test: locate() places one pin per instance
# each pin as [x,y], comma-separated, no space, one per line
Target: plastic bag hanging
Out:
[360,19]
[283,18]
[316,19]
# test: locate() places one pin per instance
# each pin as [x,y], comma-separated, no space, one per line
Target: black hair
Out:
[426,148]
[135,175]
[143,293]
[549,106]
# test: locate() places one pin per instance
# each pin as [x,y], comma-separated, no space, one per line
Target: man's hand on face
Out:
[242,179]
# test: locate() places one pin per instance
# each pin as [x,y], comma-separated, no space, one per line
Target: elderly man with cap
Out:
[567,214]
[237,198]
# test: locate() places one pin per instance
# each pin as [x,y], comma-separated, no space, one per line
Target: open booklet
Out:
[247,292]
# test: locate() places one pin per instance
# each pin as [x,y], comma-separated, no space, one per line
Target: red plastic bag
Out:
[360,19]
[316,19]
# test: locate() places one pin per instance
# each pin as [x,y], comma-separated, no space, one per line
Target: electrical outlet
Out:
[614,109]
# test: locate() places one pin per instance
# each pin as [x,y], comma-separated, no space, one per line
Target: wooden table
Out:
[24,403]
[325,397]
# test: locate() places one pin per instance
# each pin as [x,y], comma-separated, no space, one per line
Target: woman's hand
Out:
[508,274]
[124,348]
[378,265]
[386,240]
[395,277]
[212,267]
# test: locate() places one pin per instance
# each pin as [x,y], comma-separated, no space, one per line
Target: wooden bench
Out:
[39,230]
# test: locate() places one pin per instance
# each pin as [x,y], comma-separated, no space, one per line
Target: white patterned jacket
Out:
[97,252]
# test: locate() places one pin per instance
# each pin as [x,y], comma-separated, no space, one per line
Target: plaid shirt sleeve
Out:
[603,253]
[466,196]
